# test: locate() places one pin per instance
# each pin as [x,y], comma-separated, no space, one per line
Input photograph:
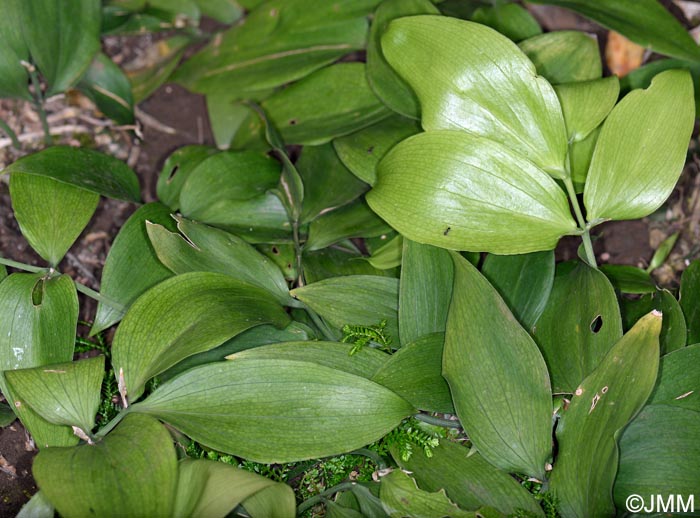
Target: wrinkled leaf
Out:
[678,383]
[673,329]
[353,220]
[690,300]
[177,169]
[586,104]
[105,83]
[402,497]
[564,56]
[511,20]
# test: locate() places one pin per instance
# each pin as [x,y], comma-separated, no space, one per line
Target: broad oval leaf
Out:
[601,406]
[641,150]
[511,20]
[586,104]
[275,500]
[401,497]
[105,83]
[678,383]
[131,472]
[182,316]
[307,410]
[498,378]
[480,82]
[177,169]
[564,56]
[455,190]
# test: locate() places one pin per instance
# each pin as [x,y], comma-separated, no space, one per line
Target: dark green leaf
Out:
[105,83]
[628,279]
[511,20]
[177,169]
[690,300]
[402,497]
[353,220]
[224,11]
[7,416]
[332,262]
[13,76]
[586,104]
[564,56]
[678,383]
[673,330]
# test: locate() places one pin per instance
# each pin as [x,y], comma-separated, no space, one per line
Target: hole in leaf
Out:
[275,250]
[293,122]
[172,174]
[370,149]
[597,324]
[38,292]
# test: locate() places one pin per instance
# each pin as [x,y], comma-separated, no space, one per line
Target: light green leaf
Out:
[389,255]
[84,168]
[386,83]
[62,393]
[690,300]
[678,383]
[201,248]
[454,190]
[182,316]
[353,220]
[131,472]
[425,290]
[673,329]
[580,156]
[307,410]
[13,76]
[51,214]
[628,279]
[105,83]
[356,300]
[564,56]
[225,118]
[524,281]
[37,507]
[579,325]
[511,20]
[177,169]
[274,500]
[662,252]
[498,378]
[586,104]
[401,497]
[3,272]
[132,265]
[469,480]
[414,372]
[641,150]
[601,406]
[479,82]
[361,151]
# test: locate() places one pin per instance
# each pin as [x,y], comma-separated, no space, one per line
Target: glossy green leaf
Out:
[224,11]
[402,497]
[469,480]
[414,372]
[690,300]
[62,38]
[425,290]
[579,325]
[331,262]
[212,489]
[361,151]
[177,169]
[353,220]
[498,378]
[37,507]
[641,150]
[678,383]
[386,83]
[13,76]
[586,104]
[132,265]
[673,329]
[41,332]
[479,82]
[524,281]
[580,156]
[564,56]
[628,279]
[105,83]
[327,182]
[200,248]
[600,407]
[225,118]
[356,300]
[388,255]
[343,104]
[51,214]
[141,479]
[454,190]
[62,393]
[511,20]
[84,168]
[314,411]
[645,22]
[184,315]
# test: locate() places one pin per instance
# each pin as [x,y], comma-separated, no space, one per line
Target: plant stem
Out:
[438,421]
[372,455]
[315,500]
[10,133]
[39,101]
[114,422]
[586,236]
[99,297]
[22,266]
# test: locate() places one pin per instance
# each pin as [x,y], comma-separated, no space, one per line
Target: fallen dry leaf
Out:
[621,55]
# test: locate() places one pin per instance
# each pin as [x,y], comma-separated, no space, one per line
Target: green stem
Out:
[298,252]
[438,421]
[39,103]
[315,500]
[321,325]
[10,133]
[99,297]
[114,422]
[373,456]
[22,266]
[586,236]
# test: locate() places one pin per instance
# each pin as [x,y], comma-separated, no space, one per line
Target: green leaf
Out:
[275,500]
[469,480]
[586,104]
[580,156]
[62,393]
[224,11]
[177,169]
[454,190]
[62,38]
[511,20]
[105,83]
[355,299]
[307,410]
[524,281]
[678,383]
[401,497]
[646,22]
[601,406]
[37,507]
[386,83]
[414,372]
[331,262]
[361,151]
[498,378]
[673,329]
[51,214]
[343,104]
[641,150]
[479,82]
[690,300]
[140,479]
[212,489]
[389,255]
[564,56]
[662,252]
[184,315]
[7,416]
[327,183]
[579,325]
[13,76]
[628,279]
[84,168]
[200,248]
[353,220]
[225,117]
[132,265]
[425,290]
